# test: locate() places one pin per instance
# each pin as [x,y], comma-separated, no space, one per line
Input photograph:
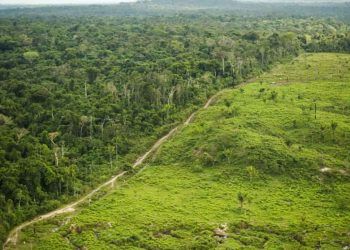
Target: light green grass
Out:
[190,186]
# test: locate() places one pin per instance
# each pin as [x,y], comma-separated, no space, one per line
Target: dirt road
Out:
[13,236]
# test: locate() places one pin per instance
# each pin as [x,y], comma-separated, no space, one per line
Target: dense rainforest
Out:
[302,8]
[80,98]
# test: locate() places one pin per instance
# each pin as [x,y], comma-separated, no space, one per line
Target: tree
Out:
[274,95]
[315,109]
[92,74]
[251,36]
[83,121]
[52,137]
[252,172]
[241,199]
[21,133]
[31,56]
[334,126]
[225,45]
[111,89]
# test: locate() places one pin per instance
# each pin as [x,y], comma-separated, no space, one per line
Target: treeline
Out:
[80,97]
[335,9]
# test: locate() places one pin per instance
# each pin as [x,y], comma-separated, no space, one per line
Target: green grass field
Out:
[264,141]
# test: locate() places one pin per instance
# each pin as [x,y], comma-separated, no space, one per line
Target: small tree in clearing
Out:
[334,126]
[252,172]
[274,95]
[241,199]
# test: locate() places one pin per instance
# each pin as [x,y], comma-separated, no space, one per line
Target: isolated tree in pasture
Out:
[227,103]
[322,129]
[274,95]
[334,126]
[315,107]
[289,143]
[252,172]
[241,197]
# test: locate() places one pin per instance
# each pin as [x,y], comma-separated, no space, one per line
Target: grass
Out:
[261,140]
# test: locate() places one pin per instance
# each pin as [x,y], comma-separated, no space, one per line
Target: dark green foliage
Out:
[92,74]
[241,199]
[251,36]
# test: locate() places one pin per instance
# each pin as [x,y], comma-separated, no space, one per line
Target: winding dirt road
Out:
[13,236]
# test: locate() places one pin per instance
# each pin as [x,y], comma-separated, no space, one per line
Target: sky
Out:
[63,1]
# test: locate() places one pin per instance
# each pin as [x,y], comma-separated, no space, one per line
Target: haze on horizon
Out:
[58,2]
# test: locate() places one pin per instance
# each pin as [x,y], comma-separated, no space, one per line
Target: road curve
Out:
[13,235]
